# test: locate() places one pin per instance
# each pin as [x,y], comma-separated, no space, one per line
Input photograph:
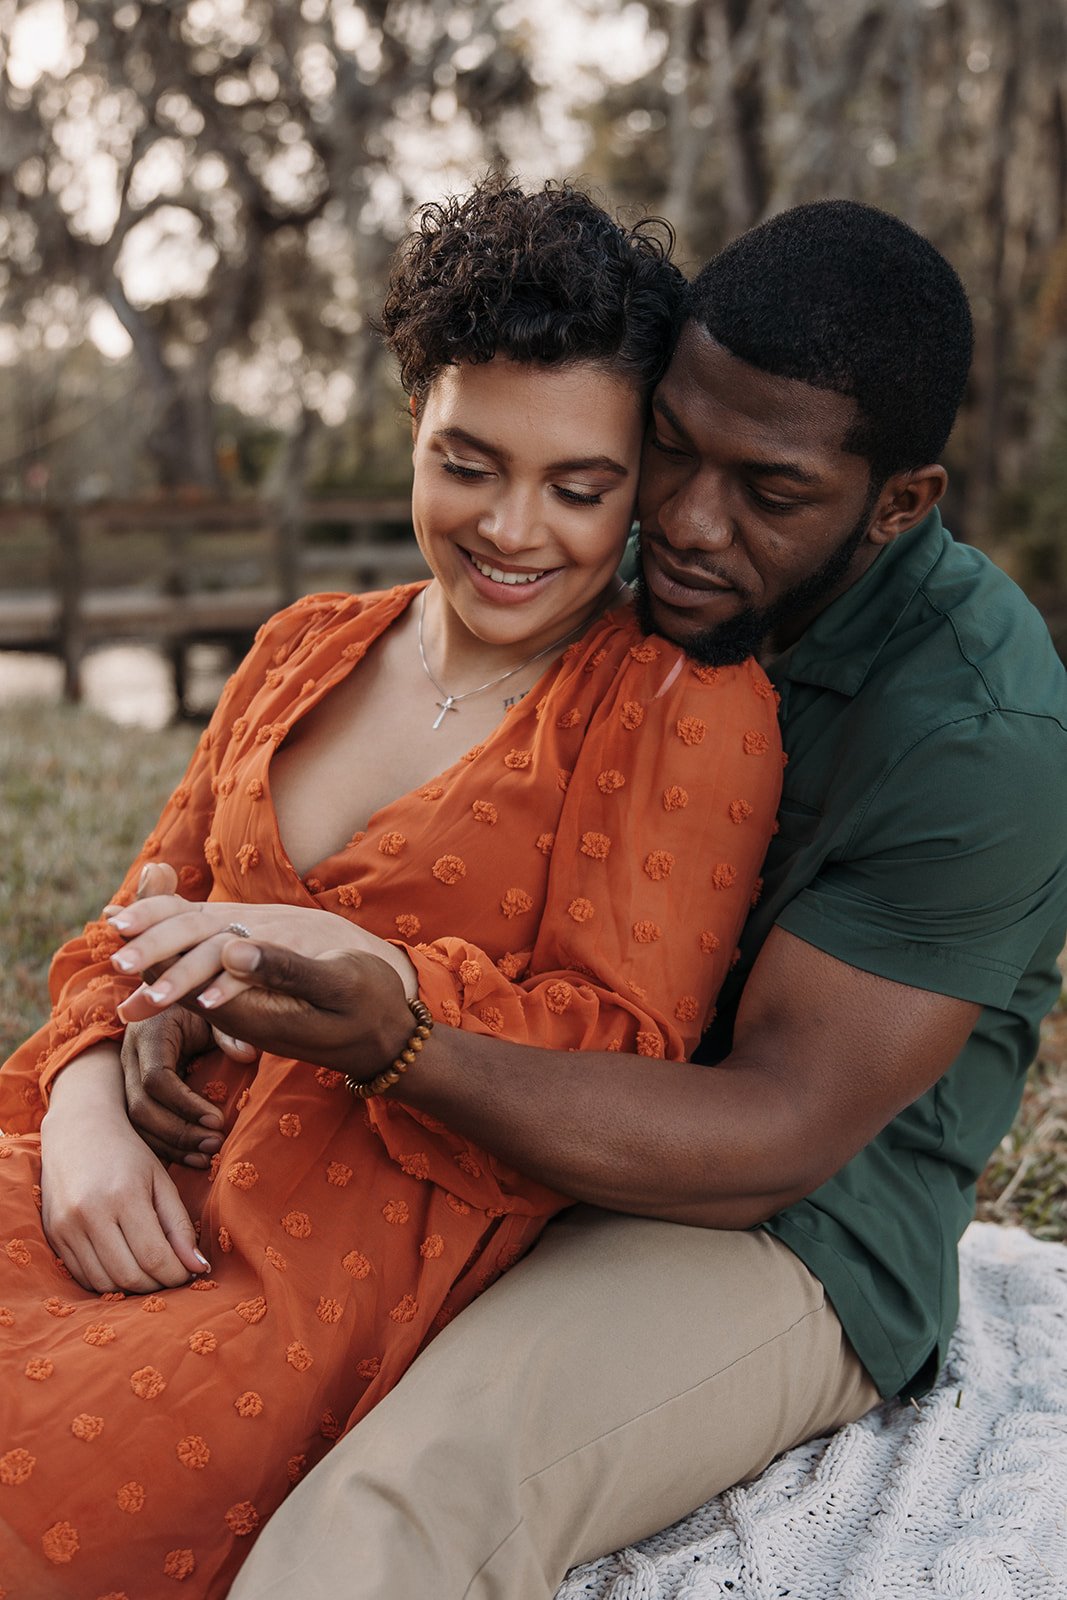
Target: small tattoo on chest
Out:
[511,700]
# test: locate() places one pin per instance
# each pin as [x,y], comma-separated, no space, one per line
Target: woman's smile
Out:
[506,585]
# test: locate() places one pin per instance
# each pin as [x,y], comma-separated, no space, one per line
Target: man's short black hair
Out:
[848,298]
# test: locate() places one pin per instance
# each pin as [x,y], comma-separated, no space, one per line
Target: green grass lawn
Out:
[77,796]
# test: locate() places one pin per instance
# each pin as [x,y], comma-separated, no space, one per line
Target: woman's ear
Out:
[905,500]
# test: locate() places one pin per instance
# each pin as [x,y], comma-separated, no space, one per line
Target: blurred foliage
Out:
[221,185]
[227,178]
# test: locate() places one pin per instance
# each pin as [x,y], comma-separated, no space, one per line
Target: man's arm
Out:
[824,1056]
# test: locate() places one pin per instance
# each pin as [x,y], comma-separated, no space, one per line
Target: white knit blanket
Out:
[964,1499]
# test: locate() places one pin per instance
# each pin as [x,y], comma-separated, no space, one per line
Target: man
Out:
[871,1048]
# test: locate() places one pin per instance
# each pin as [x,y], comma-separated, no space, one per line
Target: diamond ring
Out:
[239,929]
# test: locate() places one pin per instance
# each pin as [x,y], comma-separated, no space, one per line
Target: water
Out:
[129,683]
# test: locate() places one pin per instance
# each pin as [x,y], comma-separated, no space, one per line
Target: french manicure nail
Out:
[117,920]
[123,963]
[159,994]
[203,1260]
[210,997]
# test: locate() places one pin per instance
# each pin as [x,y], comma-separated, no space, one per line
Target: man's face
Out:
[753,517]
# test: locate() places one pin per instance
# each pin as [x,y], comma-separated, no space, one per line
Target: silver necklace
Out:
[451,701]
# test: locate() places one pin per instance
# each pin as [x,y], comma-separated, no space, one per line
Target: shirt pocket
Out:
[797,822]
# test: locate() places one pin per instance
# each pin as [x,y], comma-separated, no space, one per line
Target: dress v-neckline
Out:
[393,605]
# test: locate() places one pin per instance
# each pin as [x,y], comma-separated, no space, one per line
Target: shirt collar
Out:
[839,648]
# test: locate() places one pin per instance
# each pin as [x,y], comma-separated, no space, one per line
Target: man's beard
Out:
[741,636]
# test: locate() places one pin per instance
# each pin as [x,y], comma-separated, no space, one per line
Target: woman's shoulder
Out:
[321,616]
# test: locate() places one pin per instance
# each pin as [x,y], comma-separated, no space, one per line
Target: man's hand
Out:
[109,1209]
[343,1010]
[173,1120]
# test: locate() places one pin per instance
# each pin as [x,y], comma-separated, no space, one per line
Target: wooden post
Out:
[176,585]
[68,577]
[286,520]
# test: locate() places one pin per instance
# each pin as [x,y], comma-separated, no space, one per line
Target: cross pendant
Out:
[446,705]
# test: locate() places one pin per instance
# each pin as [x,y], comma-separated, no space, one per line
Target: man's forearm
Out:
[661,1139]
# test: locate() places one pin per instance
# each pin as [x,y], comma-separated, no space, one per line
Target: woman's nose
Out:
[510,523]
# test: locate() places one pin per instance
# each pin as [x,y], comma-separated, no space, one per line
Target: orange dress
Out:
[577,881]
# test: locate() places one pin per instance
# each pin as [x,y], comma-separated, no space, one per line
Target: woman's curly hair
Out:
[542,277]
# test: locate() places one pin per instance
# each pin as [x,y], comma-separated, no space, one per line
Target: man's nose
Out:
[697,516]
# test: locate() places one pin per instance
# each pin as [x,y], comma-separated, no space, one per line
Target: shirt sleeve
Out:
[84,988]
[654,865]
[956,865]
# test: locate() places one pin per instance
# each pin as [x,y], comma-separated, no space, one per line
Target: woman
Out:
[551,826]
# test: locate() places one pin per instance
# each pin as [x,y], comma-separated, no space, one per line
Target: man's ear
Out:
[904,501]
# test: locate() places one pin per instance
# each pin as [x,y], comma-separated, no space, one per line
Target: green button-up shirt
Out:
[923,837]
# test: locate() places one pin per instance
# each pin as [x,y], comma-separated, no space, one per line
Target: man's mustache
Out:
[691,566]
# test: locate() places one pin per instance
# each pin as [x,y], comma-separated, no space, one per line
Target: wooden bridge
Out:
[174,573]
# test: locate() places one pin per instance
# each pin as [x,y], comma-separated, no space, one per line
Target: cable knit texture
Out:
[962,1498]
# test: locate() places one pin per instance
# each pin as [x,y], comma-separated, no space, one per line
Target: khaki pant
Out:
[622,1374]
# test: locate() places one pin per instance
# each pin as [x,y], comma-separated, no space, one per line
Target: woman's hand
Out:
[109,1209]
[183,942]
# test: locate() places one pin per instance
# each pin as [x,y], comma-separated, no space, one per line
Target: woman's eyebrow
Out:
[574,464]
[590,464]
[461,436]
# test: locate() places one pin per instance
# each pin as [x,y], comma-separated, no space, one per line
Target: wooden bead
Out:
[365,1088]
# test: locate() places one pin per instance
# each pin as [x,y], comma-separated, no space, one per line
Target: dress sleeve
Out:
[84,988]
[654,864]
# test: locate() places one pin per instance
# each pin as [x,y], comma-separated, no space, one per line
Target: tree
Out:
[950,113]
[229,177]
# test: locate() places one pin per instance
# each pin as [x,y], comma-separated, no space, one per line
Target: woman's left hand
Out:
[181,942]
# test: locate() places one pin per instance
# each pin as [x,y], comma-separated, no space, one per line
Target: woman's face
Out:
[525,481]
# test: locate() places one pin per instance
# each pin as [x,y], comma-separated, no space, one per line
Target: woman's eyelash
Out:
[571,497]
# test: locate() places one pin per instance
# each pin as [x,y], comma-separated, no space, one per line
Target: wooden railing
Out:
[173,573]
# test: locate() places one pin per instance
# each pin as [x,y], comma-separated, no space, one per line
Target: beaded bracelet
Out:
[365,1088]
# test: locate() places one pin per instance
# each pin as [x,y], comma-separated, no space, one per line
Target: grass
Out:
[77,796]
